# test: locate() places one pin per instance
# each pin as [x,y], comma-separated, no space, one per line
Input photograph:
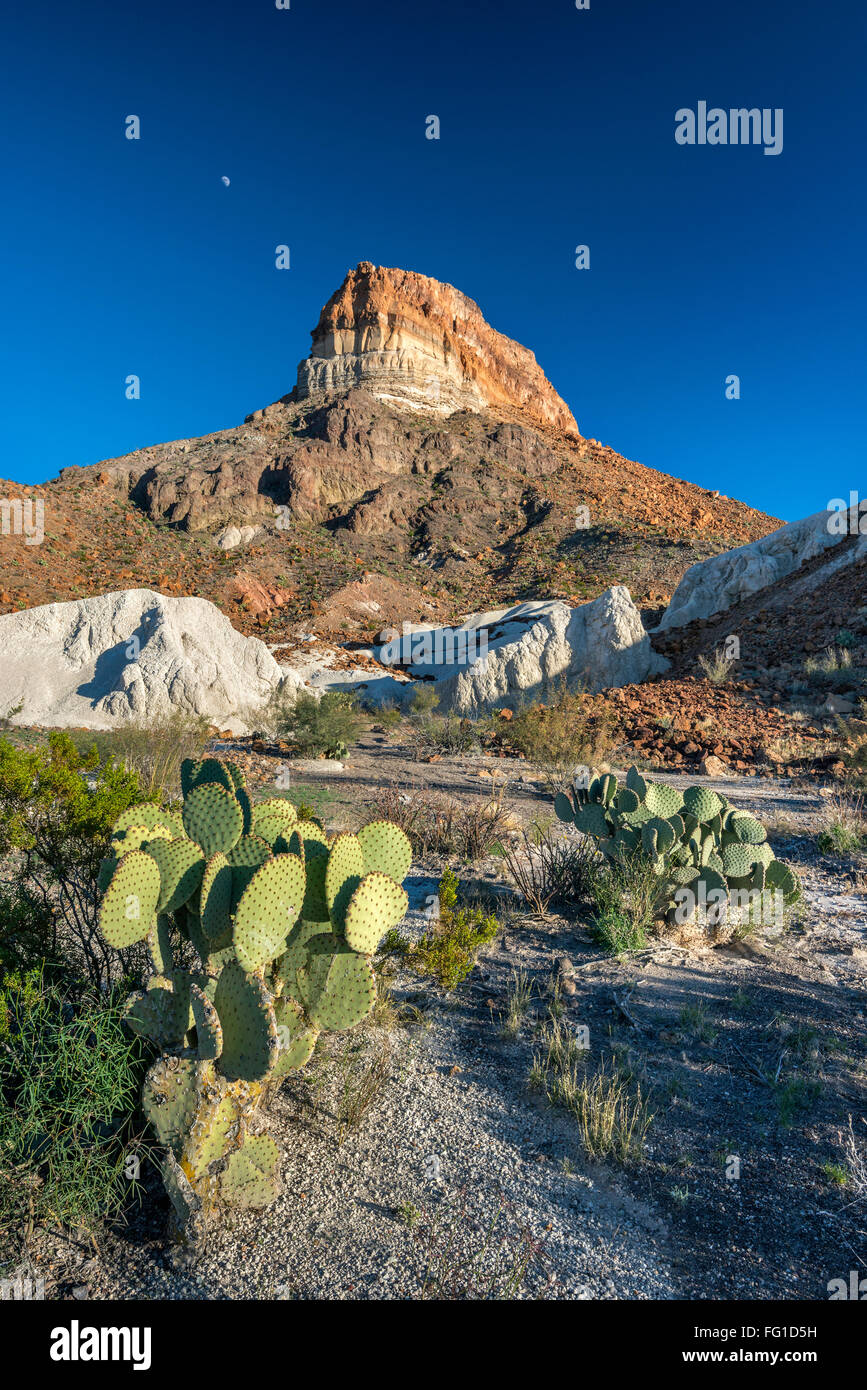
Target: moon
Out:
[225,181]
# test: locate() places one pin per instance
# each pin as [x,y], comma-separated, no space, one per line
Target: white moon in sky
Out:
[225,181]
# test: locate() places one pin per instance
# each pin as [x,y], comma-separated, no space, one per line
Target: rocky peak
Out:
[416,343]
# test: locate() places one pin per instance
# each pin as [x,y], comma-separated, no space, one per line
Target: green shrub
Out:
[448,950]
[69,1084]
[557,738]
[154,751]
[57,807]
[329,725]
[684,855]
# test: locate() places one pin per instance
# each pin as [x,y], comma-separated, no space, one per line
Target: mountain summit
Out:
[415,342]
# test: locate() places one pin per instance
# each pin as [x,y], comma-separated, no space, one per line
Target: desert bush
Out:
[329,724]
[153,751]
[57,807]
[708,858]
[570,732]
[437,824]
[831,661]
[69,1084]
[448,950]
[844,829]
[717,666]
[626,896]
[545,869]
[438,733]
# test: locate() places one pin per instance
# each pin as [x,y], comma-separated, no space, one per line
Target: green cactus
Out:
[695,841]
[283,922]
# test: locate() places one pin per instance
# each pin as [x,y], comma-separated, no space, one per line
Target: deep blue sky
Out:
[127,257]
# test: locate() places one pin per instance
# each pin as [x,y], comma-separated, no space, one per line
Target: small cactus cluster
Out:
[702,848]
[282,923]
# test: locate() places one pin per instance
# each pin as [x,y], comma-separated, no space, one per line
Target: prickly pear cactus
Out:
[703,849]
[284,924]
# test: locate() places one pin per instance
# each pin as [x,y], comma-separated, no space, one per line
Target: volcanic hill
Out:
[421,466]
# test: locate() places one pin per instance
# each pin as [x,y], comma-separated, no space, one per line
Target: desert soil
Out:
[753,1050]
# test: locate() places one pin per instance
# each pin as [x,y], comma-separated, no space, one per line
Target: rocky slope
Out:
[464,494]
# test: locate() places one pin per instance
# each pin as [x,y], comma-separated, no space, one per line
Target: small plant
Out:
[718,666]
[612,1116]
[362,1080]
[832,660]
[409,1215]
[845,828]
[448,950]
[520,998]
[694,1019]
[68,1087]
[467,1259]
[545,870]
[836,1174]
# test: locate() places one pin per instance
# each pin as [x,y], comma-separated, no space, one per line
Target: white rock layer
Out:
[716,584]
[531,649]
[133,655]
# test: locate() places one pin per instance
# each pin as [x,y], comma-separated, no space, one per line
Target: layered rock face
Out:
[415,342]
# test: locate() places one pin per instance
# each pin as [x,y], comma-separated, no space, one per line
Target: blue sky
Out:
[557,129]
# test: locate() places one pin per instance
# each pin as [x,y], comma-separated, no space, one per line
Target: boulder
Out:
[513,656]
[716,584]
[132,656]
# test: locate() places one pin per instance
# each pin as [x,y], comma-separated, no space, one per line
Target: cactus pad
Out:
[702,803]
[160,946]
[211,1135]
[337,984]
[208,1030]
[247,1021]
[151,816]
[591,819]
[213,818]
[662,800]
[564,808]
[268,910]
[344,872]
[181,865]
[169,1099]
[215,908]
[130,900]
[748,830]
[377,905]
[252,1174]
[737,860]
[386,849]
[297,1039]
